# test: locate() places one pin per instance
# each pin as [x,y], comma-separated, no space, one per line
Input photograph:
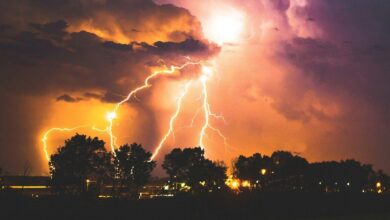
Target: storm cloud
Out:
[67,51]
[306,76]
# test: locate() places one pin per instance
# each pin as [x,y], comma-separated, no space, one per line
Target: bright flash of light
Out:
[172,121]
[113,115]
[46,137]
[233,183]
[225,26]
[146,85]
[110,116]
[207,72]
[246,183]
[206,114]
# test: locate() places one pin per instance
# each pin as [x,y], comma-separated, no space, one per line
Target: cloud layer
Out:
[306,76]
[80,51]
[309,76]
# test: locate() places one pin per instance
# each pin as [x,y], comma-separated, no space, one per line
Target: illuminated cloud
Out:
[68,98]
[306,76]
[62,53]
[310,77]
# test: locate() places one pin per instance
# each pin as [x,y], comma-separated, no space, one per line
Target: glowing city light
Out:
[235,184]
[246,184]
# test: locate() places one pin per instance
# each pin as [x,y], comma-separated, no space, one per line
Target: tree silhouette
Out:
[189,166]
[280,172]
[332,176]
[284,171]
[80,166]
[1,178]
[285,164]
[288,171]
[250,168]
[133,167]
[215,177]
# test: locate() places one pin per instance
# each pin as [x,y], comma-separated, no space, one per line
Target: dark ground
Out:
[251,206]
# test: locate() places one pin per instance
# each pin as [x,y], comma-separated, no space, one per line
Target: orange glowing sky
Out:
[286,75]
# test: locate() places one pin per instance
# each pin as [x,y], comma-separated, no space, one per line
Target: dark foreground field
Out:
[261,206]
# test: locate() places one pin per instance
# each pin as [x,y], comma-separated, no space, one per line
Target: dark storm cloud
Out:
[103,97]
[189,45]
[132,18]
[111,97]
[118,46]
[68,98]
[82,60]
[347,61]
[92,95]
[53,28]
[345,65]
[46,53]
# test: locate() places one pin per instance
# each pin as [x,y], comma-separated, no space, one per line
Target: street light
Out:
[235,184]
[87,181]
[246,183]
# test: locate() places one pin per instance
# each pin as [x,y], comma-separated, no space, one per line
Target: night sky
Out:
[309,77]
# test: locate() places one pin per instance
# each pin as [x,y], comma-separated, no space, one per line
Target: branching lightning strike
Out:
[207,72]
[112,115]
[48,132]
[172,121]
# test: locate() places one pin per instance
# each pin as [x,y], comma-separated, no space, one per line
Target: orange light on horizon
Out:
[246,184]
[233,183]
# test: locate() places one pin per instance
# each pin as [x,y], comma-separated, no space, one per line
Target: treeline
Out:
[83,167]
[283,171]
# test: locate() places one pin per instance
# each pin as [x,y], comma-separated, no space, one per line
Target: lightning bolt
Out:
[206,110]
[207,72]
[146,85]
[172,121]
[48,132]
[112,115]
